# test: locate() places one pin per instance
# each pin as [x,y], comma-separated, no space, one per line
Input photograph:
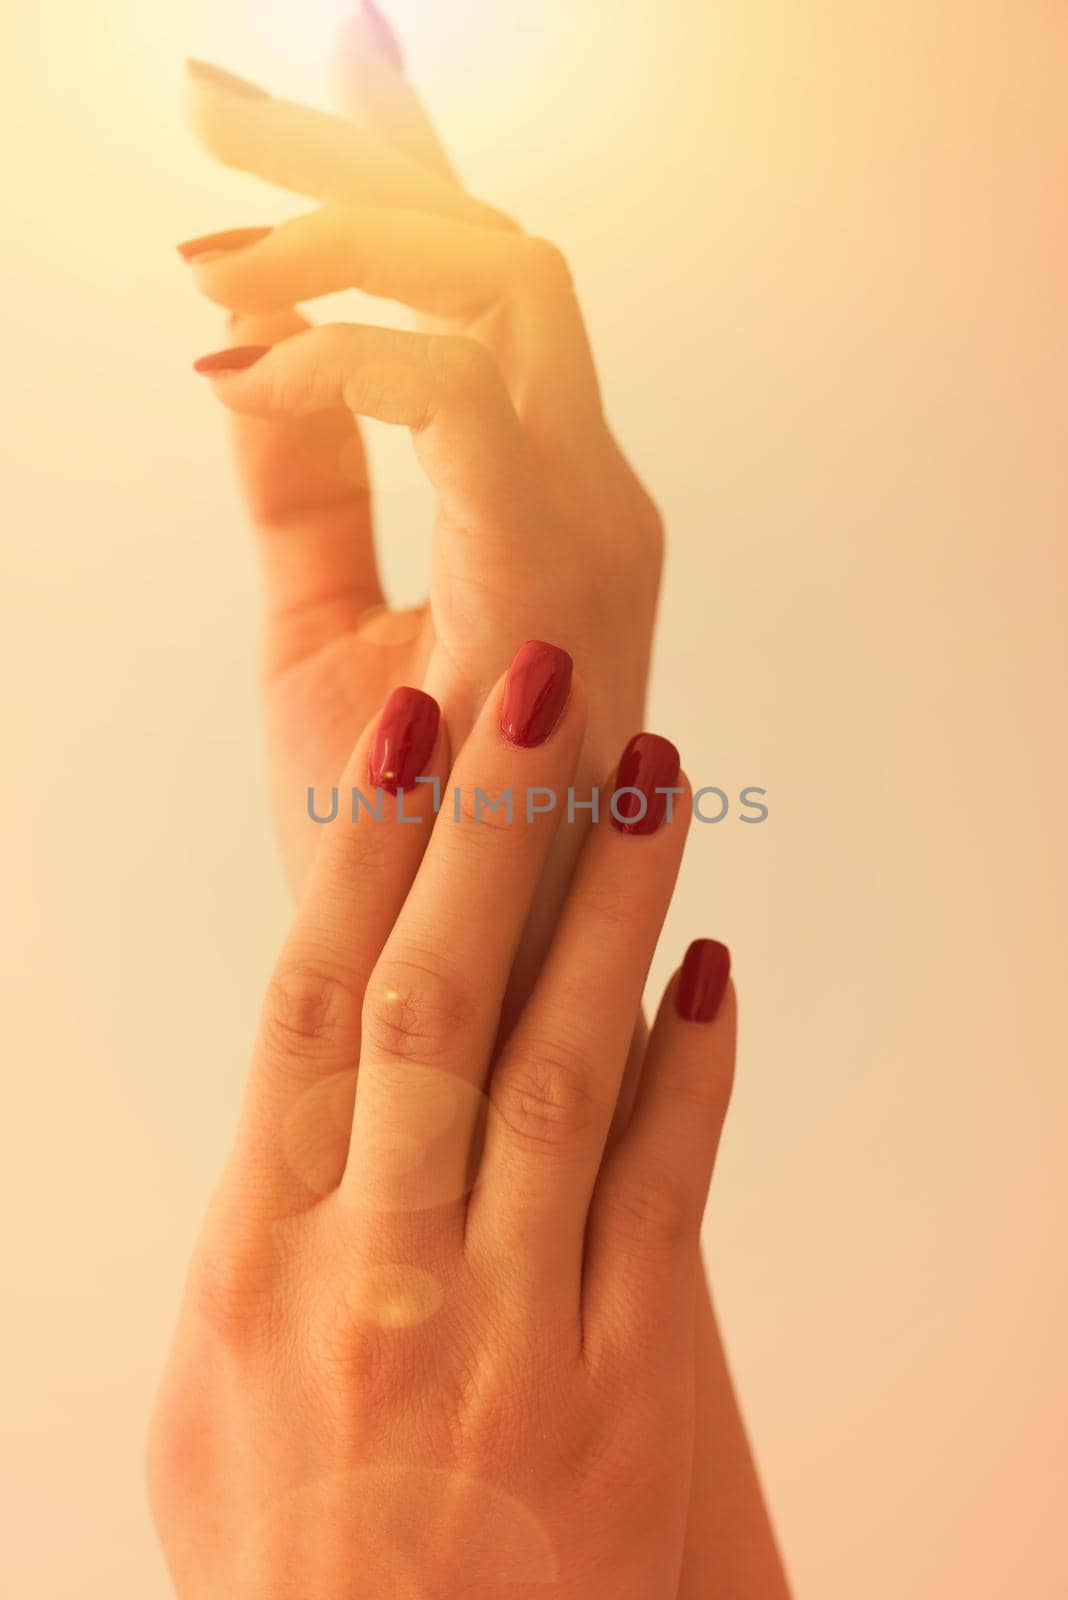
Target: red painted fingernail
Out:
[219,78]
[237,360]
[384,36]
[703,981]
[535,694]
[648,763]
[211,244]
[405,740]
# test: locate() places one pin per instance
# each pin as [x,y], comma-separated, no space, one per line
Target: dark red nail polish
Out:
[221,79]
[648,763]
[223,361]
[535,694]
[384,35]
[405,740]
[703,981]
[232,239]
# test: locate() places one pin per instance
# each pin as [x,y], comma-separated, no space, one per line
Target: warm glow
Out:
[821,246]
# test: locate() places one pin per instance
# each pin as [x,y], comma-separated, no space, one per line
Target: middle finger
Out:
[429,262]
[433,1003]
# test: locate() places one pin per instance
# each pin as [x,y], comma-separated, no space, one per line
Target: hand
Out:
[439,1335]
[542,528]
[590,579]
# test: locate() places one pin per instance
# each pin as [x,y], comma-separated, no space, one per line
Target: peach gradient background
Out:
[822,247]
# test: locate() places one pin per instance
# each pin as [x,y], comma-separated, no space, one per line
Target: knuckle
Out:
[462,364]
[544,1096]
[236,288]
[311,1007]
[541,266]
[248,300]
[655,1212]
[613,1459]
[366,1375]
[610,906]
[180,1452]
[700,1088]
[639,515]
[364,1363]
[651,527]
[494,813]
[234,1292]
[362,850]
[414,1010]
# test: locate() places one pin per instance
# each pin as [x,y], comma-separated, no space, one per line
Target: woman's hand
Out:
[439,1332]
[542,527]
[559,537]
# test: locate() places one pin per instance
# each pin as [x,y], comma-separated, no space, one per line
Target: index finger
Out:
[313,153]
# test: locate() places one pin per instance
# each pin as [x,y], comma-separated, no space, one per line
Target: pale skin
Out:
[439,1331]
[543,529]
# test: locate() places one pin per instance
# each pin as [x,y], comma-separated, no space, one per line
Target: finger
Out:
[557,393]
[448,391]
[305,481]
[444,268]
[310,152]
[643,1245]
[431,263]
[554,1090]
[434,1001]
[374,827]
[369,82]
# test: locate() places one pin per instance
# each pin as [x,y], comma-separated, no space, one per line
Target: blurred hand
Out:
[542,526]
[439,1333]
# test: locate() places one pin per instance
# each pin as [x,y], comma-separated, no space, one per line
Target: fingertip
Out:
[264,327]
[371,30]
[224,363]
[206,73]
[210,247]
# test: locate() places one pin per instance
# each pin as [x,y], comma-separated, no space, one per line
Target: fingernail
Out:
[535,694]
[381,31]
[405,740]
[221,79]
[222,361]
[220,244]
[647,764]
[703,981]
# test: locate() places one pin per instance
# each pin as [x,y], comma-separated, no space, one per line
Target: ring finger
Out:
[555,1087]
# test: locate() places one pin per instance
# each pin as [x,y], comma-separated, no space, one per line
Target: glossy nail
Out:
[210,245]
[381,31]
[237,360]
[405,739]
[219,78]
[703,981]
[648,763]
[535,694]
